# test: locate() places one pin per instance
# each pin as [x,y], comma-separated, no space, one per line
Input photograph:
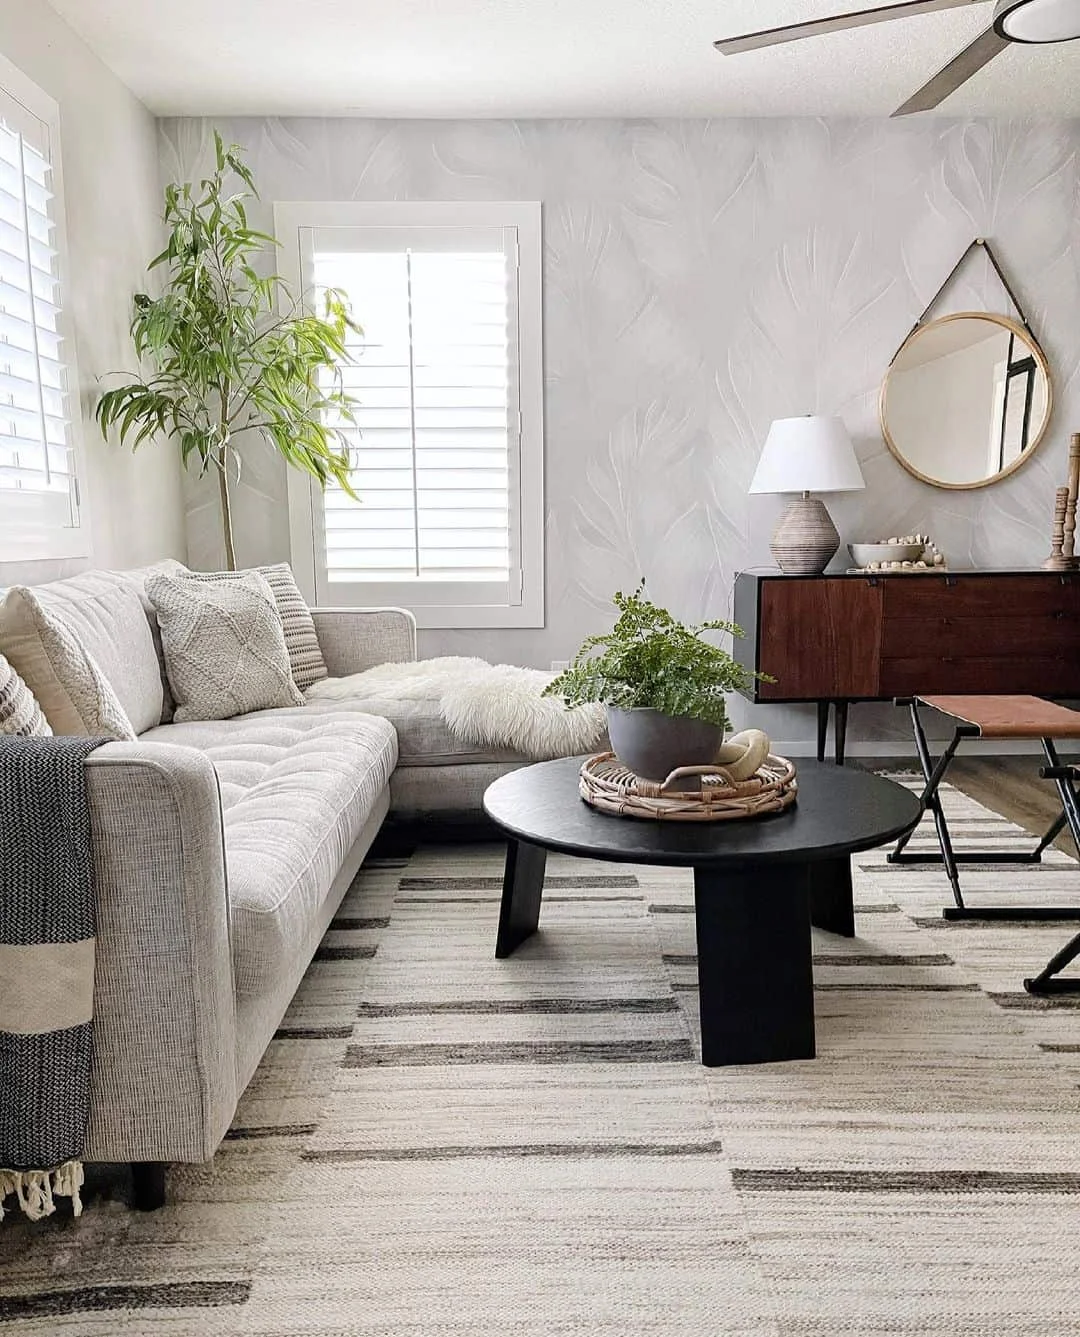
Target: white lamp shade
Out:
[808,454]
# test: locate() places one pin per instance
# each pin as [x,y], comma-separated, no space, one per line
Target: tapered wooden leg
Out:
[831,906]
[840,731]
[755,971]
[148,1185]
[822,728]
[523,888]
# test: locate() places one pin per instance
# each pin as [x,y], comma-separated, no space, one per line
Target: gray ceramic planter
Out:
[653,744]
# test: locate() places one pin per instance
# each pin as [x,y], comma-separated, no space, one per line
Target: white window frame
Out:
[28,528]
[526,606]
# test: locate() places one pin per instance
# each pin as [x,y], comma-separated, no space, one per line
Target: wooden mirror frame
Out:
[1022,332]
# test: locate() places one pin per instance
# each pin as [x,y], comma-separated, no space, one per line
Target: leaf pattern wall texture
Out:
[701,279]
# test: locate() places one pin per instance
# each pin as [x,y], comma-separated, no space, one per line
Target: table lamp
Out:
[811,454]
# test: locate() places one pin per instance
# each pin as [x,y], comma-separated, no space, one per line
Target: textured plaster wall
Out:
[702,278]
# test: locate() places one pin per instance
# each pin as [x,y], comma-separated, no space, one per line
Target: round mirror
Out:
[966,400]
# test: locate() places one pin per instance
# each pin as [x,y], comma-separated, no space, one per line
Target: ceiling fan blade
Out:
[730,46]
[958,71]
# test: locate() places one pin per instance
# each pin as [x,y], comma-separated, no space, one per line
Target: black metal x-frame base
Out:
[933,774]
[1047,981]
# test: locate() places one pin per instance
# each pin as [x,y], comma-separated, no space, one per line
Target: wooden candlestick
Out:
[1068,547]
[1057,561]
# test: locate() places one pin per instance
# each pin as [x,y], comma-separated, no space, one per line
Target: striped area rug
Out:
[441,1143]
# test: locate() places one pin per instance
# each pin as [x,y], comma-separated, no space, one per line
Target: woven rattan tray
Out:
[612,787]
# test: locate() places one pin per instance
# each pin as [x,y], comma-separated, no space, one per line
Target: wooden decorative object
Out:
[1068,548]
[1057,561]
[612,787]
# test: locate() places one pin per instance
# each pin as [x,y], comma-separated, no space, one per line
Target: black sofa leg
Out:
[148,1185]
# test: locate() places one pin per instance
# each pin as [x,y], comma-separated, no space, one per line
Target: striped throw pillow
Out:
[305,654]
[20,713]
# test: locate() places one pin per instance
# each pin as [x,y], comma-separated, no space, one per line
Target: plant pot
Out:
[653,744]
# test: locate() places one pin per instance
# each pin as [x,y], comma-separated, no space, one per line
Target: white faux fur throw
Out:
[487,705]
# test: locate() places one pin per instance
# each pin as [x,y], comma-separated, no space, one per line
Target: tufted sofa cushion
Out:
[297,786]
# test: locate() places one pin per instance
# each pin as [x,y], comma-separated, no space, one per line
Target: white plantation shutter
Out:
[38,490]
[438,417]
[437,455]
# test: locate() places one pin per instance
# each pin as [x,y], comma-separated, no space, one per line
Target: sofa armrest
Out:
[354,639]
[163,1084]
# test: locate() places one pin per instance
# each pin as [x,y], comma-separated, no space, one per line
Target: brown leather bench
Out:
[1009,716]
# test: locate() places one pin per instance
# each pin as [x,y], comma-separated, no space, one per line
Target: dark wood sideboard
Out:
[839,639]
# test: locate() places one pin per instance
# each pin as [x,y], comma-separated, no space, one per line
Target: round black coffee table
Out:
[758,886]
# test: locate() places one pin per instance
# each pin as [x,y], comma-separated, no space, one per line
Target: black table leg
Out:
[755,972]
[831,906]
[523,887]
[822,728]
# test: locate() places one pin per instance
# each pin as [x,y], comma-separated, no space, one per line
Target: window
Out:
[447,459]
[39,496]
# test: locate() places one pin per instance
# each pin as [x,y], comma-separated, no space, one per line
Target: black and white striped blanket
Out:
[46,969]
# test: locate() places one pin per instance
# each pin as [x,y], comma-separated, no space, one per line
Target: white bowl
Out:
[862,554]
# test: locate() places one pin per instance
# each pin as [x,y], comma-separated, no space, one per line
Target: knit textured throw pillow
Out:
[305,654]
[75,696]
[224,645]
[20,713]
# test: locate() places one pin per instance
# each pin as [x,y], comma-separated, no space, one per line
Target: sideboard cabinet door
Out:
[819,638]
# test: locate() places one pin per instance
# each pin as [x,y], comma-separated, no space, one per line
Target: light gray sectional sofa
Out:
[222,851]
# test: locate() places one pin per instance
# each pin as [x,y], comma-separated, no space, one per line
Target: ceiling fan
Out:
[1029,21]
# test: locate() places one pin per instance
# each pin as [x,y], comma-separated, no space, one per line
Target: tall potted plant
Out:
[664,685]
[229,348]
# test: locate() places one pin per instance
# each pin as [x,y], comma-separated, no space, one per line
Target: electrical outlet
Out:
[557,665]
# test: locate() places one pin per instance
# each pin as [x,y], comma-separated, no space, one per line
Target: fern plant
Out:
[230,349]
[650,659]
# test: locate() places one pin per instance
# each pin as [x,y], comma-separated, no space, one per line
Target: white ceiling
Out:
[561,58]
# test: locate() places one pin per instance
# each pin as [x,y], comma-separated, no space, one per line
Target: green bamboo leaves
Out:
[230,349]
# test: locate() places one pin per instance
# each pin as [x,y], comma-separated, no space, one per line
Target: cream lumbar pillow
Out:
[20,713]
[224,646]
[74,694]
[137,576]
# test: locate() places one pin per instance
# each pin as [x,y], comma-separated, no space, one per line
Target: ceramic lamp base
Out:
[805,541]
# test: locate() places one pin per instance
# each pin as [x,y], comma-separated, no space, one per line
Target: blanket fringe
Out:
[36,1189]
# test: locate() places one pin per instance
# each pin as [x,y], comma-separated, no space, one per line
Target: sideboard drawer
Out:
[979,675]
[980,596]
[938,635]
